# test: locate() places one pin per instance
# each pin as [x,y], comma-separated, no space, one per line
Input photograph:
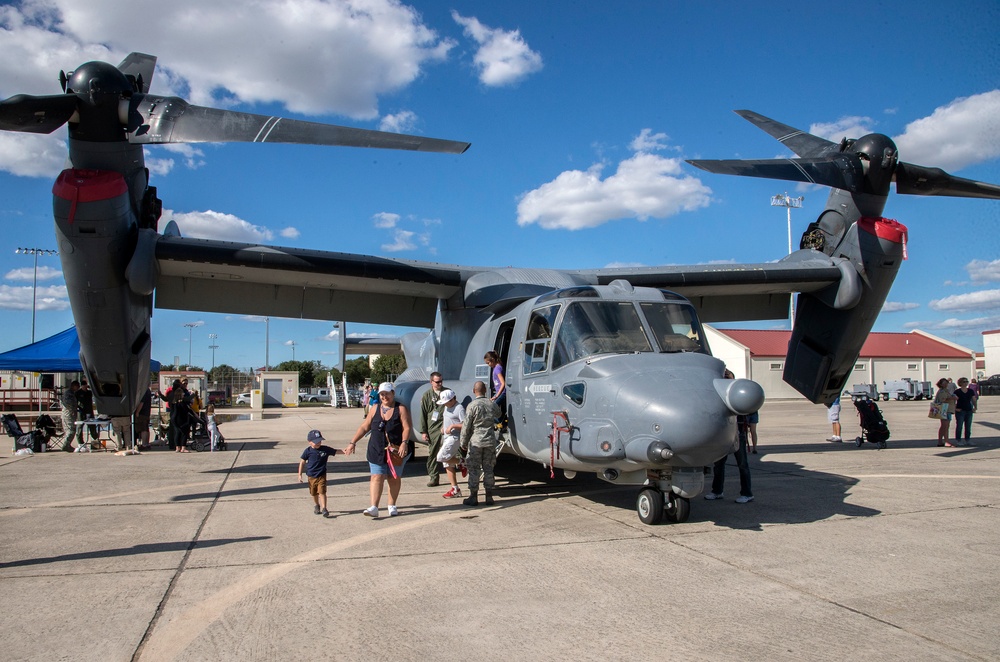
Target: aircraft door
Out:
[537,390]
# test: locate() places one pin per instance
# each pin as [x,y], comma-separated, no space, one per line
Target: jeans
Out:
[719,471]
[963,418]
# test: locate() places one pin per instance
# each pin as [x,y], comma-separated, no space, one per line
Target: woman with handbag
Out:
[944,401]
[389,447]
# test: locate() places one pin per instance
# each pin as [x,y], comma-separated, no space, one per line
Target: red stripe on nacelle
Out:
[886,228]
[78,186]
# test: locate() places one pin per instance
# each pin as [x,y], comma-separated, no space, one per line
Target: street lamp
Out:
[787,202]
[213,347]
[34,279]
[292,344]
[190,326]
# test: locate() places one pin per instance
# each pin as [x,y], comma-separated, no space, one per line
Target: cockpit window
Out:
[589,328]
[675,326]
[538,339]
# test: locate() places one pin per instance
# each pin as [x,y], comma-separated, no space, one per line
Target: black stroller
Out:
[873,427]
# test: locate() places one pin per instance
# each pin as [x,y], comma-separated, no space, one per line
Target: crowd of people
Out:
[958,401]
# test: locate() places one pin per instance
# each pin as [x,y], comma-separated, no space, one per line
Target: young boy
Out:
[313,460]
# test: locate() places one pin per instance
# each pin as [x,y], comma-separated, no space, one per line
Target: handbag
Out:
[934,411]
[392,456]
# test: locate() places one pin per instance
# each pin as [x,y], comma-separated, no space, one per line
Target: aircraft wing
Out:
[237,278]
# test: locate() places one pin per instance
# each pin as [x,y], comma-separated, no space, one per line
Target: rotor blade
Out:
[141,66]
[36,114]
[841,171]
[802,143]
[173,120]
[920,180]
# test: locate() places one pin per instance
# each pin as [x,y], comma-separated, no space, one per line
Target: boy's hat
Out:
[446,396]
[315,437]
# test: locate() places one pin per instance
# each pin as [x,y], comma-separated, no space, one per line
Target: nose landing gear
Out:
[652,505]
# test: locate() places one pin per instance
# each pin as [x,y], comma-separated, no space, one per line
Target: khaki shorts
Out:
[317,485]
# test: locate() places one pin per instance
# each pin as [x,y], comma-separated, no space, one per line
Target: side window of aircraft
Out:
[538,339]
[598,327]
[574,392]
[675,326]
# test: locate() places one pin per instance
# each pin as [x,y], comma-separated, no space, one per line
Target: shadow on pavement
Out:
[146,548]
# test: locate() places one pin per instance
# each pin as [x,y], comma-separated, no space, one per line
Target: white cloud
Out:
[28,273]
[402,241]
[52,297]
[963,133]
[290,233]
[845,127]
[385,220]
[217,225]
[402,122]
[981,271]
[647,141]
[194,158]
[32,154]
[969,327]
[503,57]
[644,186]
[981,300]
[897,306]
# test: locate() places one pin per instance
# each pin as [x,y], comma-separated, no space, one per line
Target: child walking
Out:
[313,460]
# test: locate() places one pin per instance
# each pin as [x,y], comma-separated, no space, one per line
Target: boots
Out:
[489,498]
[472,500]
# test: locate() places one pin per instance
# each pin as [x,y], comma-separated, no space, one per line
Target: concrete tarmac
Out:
[846,553]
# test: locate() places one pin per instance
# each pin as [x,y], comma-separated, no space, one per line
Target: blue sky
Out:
[579,116]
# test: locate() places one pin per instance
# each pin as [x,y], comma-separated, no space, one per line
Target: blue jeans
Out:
[963,418]
[719,471]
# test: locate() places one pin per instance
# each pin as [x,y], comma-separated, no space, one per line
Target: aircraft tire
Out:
[677,509]
[649,505]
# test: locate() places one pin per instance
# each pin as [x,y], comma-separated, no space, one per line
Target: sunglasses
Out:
[437,382]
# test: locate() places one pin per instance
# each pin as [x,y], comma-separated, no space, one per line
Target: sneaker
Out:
[453,493]
[326,513]
[316,509]
[393,511]
[712,496]
[744,499]
[371,511]
[834,439]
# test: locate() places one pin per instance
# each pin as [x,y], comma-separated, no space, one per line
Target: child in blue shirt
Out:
[313,460]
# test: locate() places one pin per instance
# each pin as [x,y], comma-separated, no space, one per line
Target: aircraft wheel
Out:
[677,509]
[858,441]
[649,505]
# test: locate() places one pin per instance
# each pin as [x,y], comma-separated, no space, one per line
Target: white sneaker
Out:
[393,511]
[712,496]
[744,499]
[371,511]
[834,439]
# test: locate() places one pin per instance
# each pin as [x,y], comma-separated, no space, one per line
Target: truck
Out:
[859,391]
[315,394]
[905,389]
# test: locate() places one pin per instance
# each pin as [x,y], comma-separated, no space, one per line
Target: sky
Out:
[580,117]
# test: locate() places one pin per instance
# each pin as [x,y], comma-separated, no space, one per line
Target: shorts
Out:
[449,449]
[317,485]
[383,469]
[834,414]
[754,418]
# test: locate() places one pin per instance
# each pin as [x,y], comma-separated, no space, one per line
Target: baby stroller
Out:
[34,440]
[873,427]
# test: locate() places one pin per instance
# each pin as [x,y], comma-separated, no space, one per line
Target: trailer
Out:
[905,389]
[861,391]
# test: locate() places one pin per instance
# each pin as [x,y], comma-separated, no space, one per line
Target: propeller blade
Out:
[802,143]
[920,180]
[841,171]
[141,67]
[32,114]
[173,120]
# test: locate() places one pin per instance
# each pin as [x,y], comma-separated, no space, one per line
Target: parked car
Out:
[243,400]
[315,395]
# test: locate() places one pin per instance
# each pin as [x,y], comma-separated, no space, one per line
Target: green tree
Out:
[388,367]
[357,370]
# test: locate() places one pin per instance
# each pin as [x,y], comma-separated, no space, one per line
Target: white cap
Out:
[446,396]
[386,387]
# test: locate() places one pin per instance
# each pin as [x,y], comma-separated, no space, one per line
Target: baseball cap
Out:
[446,396]
[386,387]
[315,437]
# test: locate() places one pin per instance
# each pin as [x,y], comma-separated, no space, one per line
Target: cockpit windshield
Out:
[598,327]
[675,326]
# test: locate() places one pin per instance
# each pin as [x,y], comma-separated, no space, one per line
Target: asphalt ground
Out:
[846,553]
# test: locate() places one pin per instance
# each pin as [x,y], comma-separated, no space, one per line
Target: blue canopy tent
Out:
[58,353]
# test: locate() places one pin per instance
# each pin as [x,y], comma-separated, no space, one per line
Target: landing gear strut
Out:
[652,505]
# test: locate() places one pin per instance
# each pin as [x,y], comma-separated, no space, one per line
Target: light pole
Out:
[34,279]
[213,347]
[267,343]
[190,326]
[788,203]
[292,344]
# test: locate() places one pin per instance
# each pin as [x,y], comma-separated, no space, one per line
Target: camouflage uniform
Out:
[479,437]
[69,412]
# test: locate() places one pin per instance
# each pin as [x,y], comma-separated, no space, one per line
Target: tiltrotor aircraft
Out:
[608,370]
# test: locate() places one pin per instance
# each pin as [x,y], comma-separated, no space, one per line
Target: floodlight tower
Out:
[788,203]
[213,346]
[34,280]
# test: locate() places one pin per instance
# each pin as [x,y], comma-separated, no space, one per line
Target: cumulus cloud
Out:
[217,225]
[503,57]
[846,127]
[30,154]
[647,141]
[982,271]
[29,273]
[981,300]
[385,220]
[963,133]
[52,297]
[974,326]
[643,186]
[290,233]
[403,240]
[898,306]
[401,122]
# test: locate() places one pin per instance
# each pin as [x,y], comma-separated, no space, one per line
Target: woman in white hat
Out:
[389,447]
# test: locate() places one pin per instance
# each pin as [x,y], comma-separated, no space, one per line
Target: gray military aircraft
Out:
[608,370]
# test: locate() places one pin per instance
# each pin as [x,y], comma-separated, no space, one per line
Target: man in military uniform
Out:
[479,438]
[431,417]
[69,411]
